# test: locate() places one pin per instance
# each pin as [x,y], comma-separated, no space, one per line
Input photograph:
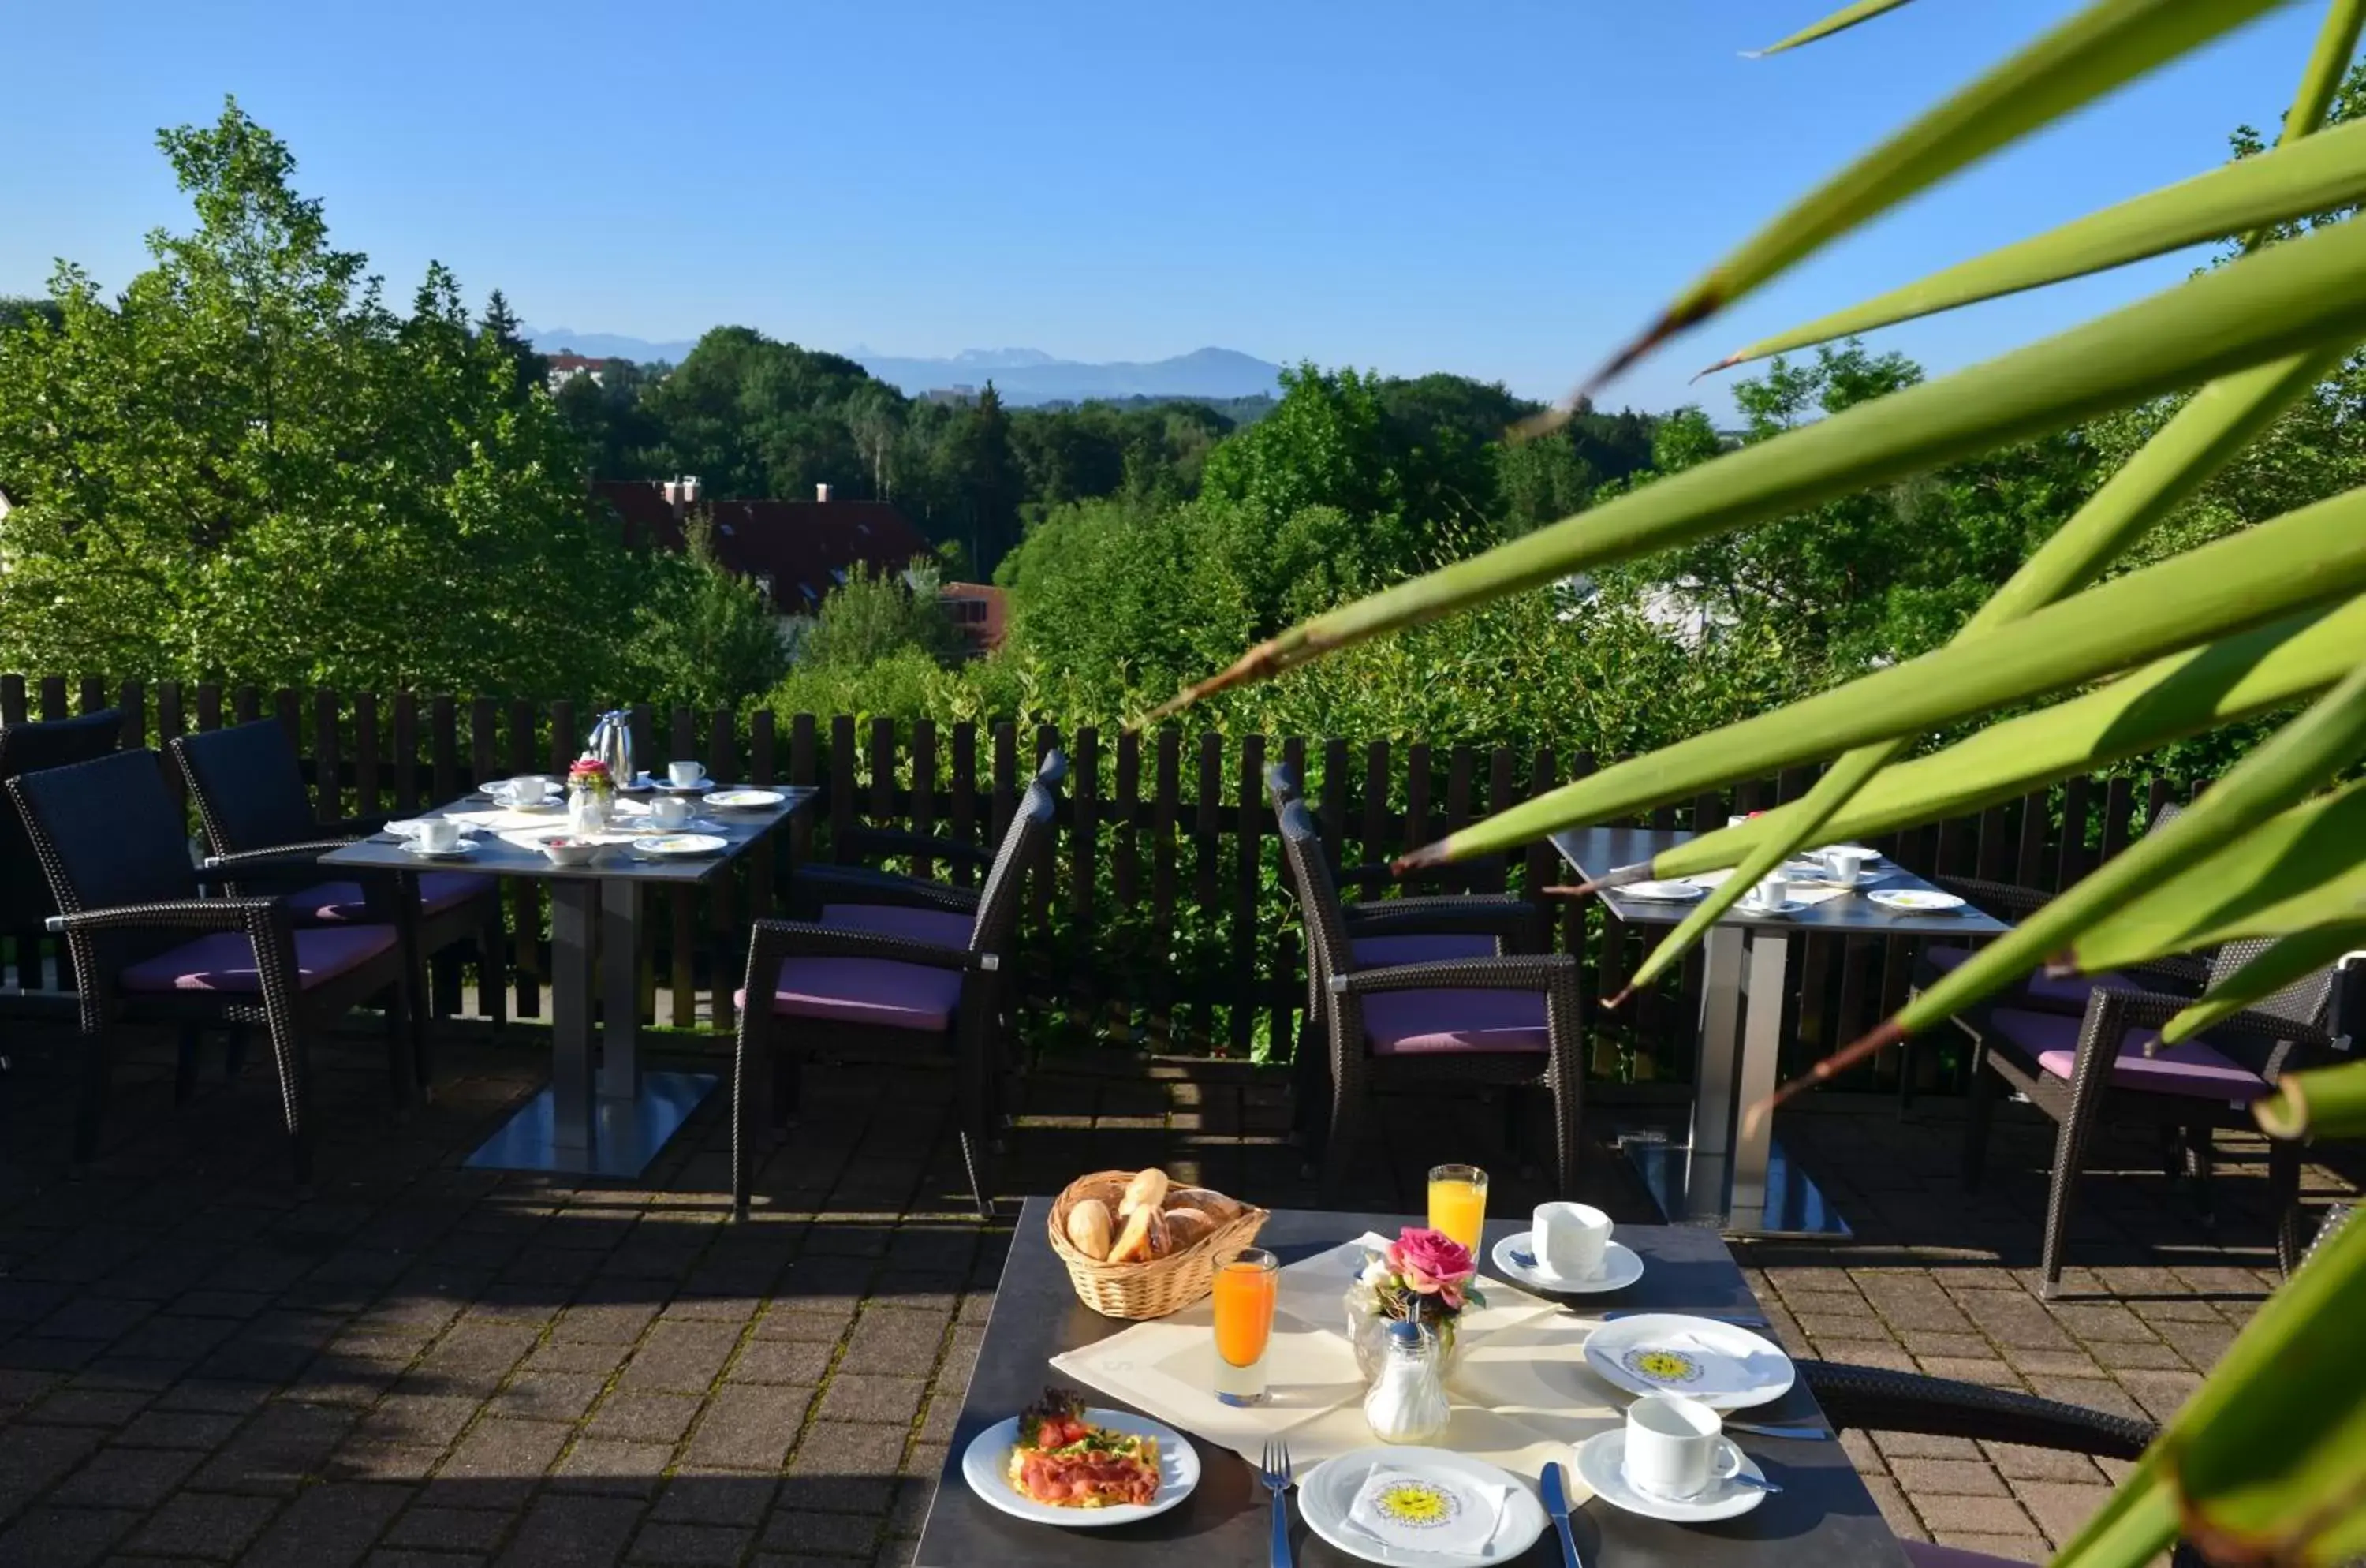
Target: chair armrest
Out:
[902,841]
[1367,877]
[189,914]
[1874,1399]
[280,855]
[861,885]
[1476,913]
[2114,1009]
[773,941]
[1508,971]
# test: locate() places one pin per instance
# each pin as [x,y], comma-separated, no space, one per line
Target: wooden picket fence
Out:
[1162,924]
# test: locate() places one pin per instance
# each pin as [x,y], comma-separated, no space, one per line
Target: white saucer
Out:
[1662,892]
[700,787]
[1620,1269]
[1787,907]
[641,784]
[1602,1465]
[983,1460]
[461,850]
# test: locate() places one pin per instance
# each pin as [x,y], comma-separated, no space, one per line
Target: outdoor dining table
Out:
[1726,1174]
[1824,1517]
[603,1114]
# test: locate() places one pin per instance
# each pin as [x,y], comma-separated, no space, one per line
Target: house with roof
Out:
[796,552]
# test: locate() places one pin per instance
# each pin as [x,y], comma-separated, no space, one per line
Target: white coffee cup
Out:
[1771,893]
[1569,1238]
[670,812]
[1845,864]
[438,835]
[685,775]
[530,789]
[1673,1447]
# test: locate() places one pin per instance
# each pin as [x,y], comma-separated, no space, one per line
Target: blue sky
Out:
[1503,191]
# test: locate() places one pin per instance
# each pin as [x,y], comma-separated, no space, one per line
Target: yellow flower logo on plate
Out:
[1663,1366]
[1417,1505]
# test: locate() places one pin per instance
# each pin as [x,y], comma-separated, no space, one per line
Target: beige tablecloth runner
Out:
[628,820]
[1521,1392]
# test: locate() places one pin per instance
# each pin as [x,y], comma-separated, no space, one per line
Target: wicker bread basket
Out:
[1162,1284]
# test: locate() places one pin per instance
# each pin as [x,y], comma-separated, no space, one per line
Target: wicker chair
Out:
[26,903]
[249,787]
[148,950]
[917,977]
[813,889]
[1506,1019]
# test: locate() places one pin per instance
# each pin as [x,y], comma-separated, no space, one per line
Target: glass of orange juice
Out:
[1246,1284]
[1458,1203]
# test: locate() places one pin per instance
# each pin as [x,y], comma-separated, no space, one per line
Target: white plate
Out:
[984,1463]
[1602,1465]
[1722,1365]
[1866,851]
[1916,900]
[1326,1492]
[681,846]
[461,850]
[1661,892]
[1620,1268]
[745,799]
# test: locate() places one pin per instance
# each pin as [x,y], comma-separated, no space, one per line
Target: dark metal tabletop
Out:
[1593,851]
[497,856]
[1824,1518]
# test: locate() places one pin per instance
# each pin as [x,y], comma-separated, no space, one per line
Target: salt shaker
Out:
[1407,1401]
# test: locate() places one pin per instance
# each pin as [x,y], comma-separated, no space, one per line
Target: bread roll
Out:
[1144,1239]
[1147,1190]
[1186,1226]
[1090,1228]
[1213,1204]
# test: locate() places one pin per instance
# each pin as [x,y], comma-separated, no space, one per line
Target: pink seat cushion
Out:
[1379,952]
[1929,1554]
[342,904]
[941,928]
[224,961]
[1416,1023]
[876,991]
[2064,990]
[2189,1067]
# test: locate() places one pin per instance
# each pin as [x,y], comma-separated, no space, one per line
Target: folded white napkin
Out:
[1413,1509]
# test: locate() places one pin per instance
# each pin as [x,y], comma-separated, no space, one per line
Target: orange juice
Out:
[1458,1203]
[1245,1295]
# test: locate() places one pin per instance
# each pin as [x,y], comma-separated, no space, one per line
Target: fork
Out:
[1275,1472]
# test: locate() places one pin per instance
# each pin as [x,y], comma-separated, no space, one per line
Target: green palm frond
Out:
[1840,20]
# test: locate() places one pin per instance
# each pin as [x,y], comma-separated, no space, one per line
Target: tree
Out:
[500,324]
[874,616]
[984,473]
[248,466]
[706,639]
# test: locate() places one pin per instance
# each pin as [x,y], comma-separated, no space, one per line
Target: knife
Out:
[1556,1505]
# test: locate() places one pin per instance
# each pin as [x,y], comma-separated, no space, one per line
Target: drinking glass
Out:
[1458,1203]
[1245,1285]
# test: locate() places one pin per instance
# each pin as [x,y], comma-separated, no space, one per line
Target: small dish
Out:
[1915,901]
[745,799]
[562,849]
[1602,1465]
[1621,1267]
[1179,1472]
[680,846]
[1662,892]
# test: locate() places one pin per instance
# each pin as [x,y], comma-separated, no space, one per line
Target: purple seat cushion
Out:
[1929,1554]
[2067,991]
[340,903]
[1379,952]
[2190,1067]
[941,927]
[876,991]
[1416,1023]
[224,961]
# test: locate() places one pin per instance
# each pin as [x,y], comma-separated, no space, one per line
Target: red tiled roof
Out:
[572,362]
[806,547]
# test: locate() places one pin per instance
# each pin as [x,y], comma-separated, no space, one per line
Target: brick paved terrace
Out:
[423,1365]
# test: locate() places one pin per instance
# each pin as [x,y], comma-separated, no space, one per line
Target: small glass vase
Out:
[590,804]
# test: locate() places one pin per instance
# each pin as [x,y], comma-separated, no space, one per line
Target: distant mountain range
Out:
[1020,375]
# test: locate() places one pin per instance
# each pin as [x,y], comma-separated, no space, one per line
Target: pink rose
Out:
[1432,1263]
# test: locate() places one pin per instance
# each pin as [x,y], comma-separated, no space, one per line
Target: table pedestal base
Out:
[1698,1189]
[627,1133]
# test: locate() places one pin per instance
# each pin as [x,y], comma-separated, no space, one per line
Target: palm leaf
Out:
[2312,556]
[2100,49]
[2305,295]
[2292,960]
[2327,1103]
[1840,20]
[2185,693]
[2312,175]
